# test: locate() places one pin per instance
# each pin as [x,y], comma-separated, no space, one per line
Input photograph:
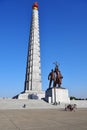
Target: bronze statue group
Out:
[55,77]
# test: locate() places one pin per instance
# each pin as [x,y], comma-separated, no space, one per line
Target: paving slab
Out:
[43,119]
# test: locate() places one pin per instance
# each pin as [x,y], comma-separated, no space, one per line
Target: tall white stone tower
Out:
[33,69]
[33,88]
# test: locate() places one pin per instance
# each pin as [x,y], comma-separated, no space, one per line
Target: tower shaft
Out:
[33,68]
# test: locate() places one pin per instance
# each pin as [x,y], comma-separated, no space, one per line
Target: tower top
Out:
[35,6]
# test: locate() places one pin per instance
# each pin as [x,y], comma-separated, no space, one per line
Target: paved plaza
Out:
[43,119]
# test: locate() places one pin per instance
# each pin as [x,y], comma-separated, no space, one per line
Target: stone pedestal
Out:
[57,95]
[32,95]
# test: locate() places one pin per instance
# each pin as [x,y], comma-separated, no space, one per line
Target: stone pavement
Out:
[43,119]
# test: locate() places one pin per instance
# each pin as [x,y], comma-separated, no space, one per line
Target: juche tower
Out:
[33,83]
[33,69]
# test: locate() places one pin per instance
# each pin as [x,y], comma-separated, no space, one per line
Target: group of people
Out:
[55,76]
[70,107]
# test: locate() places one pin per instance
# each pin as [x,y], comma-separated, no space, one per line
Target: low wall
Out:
[79,103]
[37,104]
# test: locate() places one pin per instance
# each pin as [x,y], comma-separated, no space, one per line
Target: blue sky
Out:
[63,36]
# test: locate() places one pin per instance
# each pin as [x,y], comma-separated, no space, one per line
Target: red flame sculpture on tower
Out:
[35,6]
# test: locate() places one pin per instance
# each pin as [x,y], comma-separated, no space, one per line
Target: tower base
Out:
[32,95]
[57,95]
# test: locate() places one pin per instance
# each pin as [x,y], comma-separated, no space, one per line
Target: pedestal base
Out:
[57,95]
[32,95]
